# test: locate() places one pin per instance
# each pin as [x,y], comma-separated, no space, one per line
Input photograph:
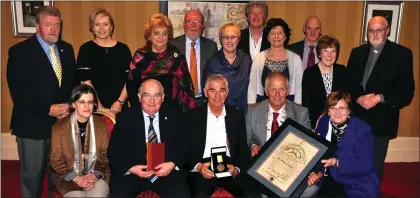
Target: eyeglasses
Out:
[231,37]
[378,31]
[195,22]
[82,102]
[147,96]
[339,109]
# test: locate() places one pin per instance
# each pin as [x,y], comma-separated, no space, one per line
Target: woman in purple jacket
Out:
[350,172]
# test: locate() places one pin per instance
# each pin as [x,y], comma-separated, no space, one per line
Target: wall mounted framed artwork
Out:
[24,16]
[391,10]
[216,14]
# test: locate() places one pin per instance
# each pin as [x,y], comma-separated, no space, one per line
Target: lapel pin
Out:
[61,50]
[166,118]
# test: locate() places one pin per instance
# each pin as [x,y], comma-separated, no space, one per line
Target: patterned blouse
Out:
[327,78]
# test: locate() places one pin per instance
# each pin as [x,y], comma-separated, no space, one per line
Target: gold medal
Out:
[220,167]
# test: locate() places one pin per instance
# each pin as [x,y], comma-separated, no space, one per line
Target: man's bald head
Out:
[312,29]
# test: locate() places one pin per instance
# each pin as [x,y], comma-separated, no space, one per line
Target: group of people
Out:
[186,93]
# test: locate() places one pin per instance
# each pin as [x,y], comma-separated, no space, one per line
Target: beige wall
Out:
[340,19]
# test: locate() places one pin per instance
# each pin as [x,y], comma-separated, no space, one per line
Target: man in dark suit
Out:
[141,124]
[216,125]
[306,48]
[381,83]
[263,119]
[190,44]
[41,74]
[253,40]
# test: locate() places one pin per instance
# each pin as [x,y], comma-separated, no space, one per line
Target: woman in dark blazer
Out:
[351,171]
[326,76]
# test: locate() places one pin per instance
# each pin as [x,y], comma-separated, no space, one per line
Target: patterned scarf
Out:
[85,161]
[168,62]
[340,129]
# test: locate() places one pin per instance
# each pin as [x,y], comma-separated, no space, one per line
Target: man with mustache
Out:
[196,48]
[252,39]
[381,83]
[40,73]
[306,48]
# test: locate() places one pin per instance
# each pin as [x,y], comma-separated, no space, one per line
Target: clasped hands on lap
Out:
[163,170]
[208,174]
[87,182]
[313,178]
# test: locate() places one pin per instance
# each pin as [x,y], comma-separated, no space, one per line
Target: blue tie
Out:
[152,138]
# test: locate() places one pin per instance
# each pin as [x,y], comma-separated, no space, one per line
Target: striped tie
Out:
[56,65]
[152,138]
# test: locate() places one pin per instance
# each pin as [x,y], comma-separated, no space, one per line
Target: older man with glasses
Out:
[381,84]
[196,49]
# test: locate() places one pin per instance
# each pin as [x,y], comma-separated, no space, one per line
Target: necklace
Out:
[106,49]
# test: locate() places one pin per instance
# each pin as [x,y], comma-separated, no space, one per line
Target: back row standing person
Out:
[41,73]
[306,48]
[161,61]
[197,50]
[253,40]
[276,58]
[103,62]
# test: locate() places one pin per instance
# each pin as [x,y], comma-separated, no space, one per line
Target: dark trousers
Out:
[33,156]
[381,148]
[202,187]
[173,185]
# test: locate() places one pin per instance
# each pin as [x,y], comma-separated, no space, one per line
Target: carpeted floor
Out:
[400,180]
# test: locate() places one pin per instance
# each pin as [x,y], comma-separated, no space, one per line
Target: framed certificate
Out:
[286,159]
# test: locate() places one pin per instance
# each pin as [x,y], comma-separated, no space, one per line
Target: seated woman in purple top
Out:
[233,64]
[351,171]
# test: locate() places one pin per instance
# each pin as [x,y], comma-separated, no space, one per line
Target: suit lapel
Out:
[245,36]
[230,128]
[41,53]
[262,119]
[64,68]
[163,125]
[203,55]
[290,111]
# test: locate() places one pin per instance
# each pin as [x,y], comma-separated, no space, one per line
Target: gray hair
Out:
[258,4]
[275,74]
[162,90]
[215,77]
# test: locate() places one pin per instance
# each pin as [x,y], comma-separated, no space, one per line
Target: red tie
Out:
[311,57]
[275,124]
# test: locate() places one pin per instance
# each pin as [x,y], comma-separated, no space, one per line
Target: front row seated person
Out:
[351,171]
[263,119]
[216,125]
[145,123]
[79,145]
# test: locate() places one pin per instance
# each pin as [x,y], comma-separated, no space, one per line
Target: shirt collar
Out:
[209,113]
[146,115]
[306,43]
[250,35]
[46,46]
[271,110]
[188,41]
[379,49]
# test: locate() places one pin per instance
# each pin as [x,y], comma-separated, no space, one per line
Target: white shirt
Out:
[280,118]
[197,55]
[155,125]
[254,47]
[216,132]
